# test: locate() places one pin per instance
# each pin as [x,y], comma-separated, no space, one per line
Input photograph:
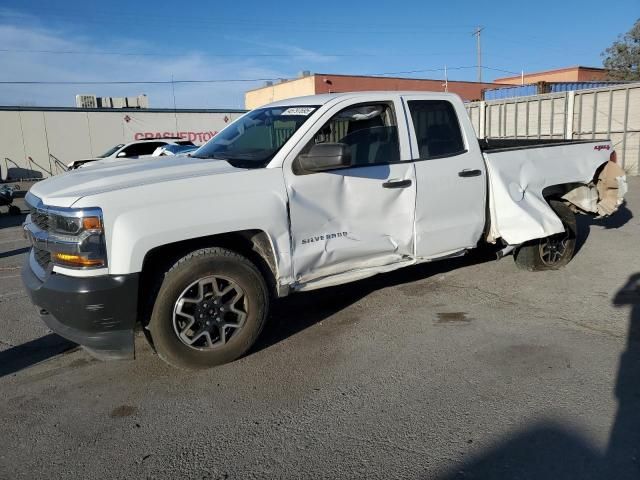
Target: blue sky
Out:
[259,39]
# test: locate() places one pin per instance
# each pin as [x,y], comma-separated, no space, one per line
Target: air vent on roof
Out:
[86,101]
[304,73]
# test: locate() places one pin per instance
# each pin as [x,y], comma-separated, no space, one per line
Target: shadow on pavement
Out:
[28,354]
[7,220]
[553,451]
[585,222]
[17,251]
[298,312]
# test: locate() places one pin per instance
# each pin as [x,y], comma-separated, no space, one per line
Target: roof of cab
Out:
[323,98]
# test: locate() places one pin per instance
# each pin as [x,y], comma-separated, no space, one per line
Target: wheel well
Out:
[253,244]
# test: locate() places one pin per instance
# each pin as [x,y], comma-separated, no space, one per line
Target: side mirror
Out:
[326,156]
[121,154]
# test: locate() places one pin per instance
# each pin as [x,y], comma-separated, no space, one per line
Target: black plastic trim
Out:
[526,143]
[97,312]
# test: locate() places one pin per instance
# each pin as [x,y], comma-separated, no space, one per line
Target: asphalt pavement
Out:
[461,369]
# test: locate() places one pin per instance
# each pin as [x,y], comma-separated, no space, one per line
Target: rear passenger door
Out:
[450,175]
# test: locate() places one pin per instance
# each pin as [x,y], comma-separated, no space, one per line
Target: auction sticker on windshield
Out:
[298,111]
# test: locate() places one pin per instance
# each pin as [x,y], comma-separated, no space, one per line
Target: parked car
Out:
[297,195]
[174,149]
[7,193]
[139,148]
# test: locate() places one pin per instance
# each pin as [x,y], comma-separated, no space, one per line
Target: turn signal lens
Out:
[77,260]
[91,223]
[613,157]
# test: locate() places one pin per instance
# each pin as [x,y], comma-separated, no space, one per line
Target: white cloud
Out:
[29,35]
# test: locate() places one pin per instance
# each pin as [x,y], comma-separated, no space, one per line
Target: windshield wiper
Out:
[206,157]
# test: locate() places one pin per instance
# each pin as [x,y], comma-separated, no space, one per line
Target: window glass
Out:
[369,130]
[111,151]
[436,126]
[145,148]
[255,138]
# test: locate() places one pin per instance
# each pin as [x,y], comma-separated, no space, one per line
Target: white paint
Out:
[517,179]
[450,210]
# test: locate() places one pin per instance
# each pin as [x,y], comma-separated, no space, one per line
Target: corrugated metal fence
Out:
[609,112]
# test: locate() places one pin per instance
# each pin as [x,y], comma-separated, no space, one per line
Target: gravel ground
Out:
[459,369]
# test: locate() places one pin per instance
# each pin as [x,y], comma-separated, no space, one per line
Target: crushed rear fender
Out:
[603,196]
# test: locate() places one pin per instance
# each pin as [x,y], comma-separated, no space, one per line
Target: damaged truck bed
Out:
[524,174]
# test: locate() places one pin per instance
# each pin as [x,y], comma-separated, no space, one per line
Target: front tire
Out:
[210,309]
[555,251]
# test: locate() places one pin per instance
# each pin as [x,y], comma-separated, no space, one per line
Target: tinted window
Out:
[437,130]
[369,130]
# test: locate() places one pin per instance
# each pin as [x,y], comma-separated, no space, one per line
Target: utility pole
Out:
[446,80]
[479,48]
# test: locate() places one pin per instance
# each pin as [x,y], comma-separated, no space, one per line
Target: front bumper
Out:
[99,313]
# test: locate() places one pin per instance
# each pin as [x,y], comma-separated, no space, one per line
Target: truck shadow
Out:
[30,353]
[8,220]
[298,312]
[549,450]
[585,222]
[16,251]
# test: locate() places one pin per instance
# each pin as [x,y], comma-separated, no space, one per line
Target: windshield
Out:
[111,151]
[254,139]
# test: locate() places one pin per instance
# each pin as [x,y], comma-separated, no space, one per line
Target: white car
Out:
[301,194]
[174,149]
[139,148]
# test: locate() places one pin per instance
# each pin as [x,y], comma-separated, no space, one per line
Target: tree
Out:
[622,59]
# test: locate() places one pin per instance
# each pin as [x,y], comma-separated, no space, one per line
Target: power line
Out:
[217,80]
[96,16]
[231,55]
[128,82]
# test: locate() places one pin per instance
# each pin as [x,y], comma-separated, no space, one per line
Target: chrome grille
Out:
[42,257]
[40,218]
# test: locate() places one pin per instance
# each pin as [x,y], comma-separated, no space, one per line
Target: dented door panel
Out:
[346,220]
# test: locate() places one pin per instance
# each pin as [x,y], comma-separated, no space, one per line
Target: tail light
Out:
[613,157]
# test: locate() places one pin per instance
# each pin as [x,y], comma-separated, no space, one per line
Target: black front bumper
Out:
[99,313]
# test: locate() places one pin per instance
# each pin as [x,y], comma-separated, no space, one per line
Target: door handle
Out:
[469,173]
[397,184]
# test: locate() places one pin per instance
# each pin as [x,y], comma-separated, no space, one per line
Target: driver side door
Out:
[359,218]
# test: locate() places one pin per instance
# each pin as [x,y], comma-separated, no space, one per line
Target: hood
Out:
[65,189]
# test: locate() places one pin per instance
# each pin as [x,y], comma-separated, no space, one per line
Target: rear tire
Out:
[210,309]
[553,252]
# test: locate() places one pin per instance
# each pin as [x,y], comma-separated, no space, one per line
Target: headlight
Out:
[68,237]
[76,238]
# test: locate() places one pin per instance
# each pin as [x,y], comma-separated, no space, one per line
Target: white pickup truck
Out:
[300,194]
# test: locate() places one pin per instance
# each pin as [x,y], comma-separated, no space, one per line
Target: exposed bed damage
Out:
[602,196]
